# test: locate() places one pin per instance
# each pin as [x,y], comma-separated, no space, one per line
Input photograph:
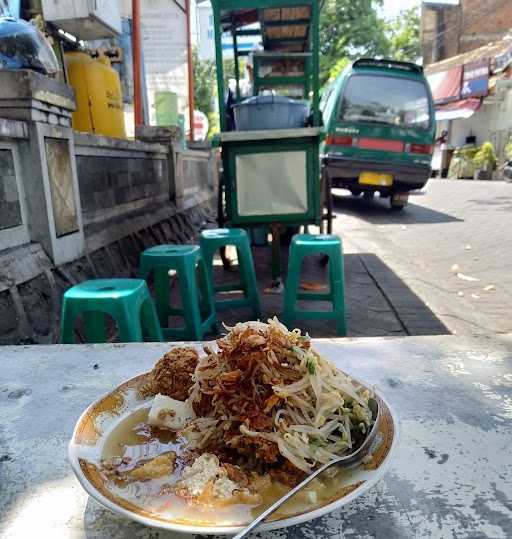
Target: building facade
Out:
[467,54]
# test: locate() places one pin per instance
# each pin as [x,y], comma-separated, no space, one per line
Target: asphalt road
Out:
[452,247]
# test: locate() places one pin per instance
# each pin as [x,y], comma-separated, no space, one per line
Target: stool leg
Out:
[208,256]
[95,326]
[292,286]
[128,322]
[248,277]
[162,294]
[190,299]
[151,321]
[242,271]
[337,280]
[207,302]
[67,324]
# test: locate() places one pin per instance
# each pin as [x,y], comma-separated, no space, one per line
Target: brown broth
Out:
[134,439]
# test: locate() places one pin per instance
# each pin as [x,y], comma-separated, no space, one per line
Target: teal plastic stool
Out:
[198,310]
[301,246]
[211,242]
[127,301]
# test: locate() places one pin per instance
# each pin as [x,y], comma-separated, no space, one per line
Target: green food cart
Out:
[271,177]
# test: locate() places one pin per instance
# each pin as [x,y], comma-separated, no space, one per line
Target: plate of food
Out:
[208,439]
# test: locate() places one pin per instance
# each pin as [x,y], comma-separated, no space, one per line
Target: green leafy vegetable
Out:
[311,365]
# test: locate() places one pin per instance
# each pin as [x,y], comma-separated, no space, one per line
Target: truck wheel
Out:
[398,201]
[355,192]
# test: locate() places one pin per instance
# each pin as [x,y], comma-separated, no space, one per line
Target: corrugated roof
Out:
[487,51]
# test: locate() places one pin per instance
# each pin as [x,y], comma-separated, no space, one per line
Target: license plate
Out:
[376,178]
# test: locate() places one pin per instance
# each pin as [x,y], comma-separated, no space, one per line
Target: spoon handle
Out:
[283,499]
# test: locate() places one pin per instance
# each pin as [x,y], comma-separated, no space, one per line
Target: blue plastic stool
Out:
[307,244]
[127,301]
[197,309]
[211,242]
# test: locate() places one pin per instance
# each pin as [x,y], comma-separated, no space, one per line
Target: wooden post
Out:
[137,79]
[219,65]
[190,62]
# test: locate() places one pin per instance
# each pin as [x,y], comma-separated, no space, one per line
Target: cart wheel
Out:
[355,192]
[398,201]
[368,195]
[324,260]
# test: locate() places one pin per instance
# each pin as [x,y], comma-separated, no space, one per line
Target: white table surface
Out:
[451,477]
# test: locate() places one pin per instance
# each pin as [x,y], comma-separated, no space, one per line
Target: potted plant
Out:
[485,162]
[507,165]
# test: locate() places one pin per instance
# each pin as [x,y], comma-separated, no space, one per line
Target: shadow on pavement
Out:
[378,302]
[377,211]
[498,203]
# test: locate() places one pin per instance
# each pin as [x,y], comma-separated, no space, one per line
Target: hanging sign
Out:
[475,79]
[502,61]
[445,85]
[201,125]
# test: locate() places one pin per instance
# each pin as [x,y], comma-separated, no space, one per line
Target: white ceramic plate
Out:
[98,421]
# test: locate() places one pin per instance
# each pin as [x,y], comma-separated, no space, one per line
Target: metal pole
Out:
[315,63]
[237,66]
[137,79]
[276,229]
[190,62]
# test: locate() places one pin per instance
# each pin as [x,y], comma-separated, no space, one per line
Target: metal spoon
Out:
[348,461]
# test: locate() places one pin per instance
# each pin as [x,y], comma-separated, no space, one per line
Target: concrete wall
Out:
[31,286]
[129,202]
[77,206]
[13,208]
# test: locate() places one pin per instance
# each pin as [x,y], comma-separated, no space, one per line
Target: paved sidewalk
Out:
[452,245]
[378,303]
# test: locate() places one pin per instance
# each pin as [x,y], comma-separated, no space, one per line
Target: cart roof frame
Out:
[286,26]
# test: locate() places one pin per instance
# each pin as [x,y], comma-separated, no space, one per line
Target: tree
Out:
[350,29]
[205,88]
[204,84]
[404,36]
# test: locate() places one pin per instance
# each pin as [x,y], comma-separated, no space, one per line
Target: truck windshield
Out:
[385,100]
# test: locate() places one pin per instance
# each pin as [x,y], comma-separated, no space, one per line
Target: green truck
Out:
[379,129]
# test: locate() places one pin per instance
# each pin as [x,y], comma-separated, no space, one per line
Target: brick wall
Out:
[450,30]
[106,182]
[113,172]
[484,22]
[440,32]
[128,185]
